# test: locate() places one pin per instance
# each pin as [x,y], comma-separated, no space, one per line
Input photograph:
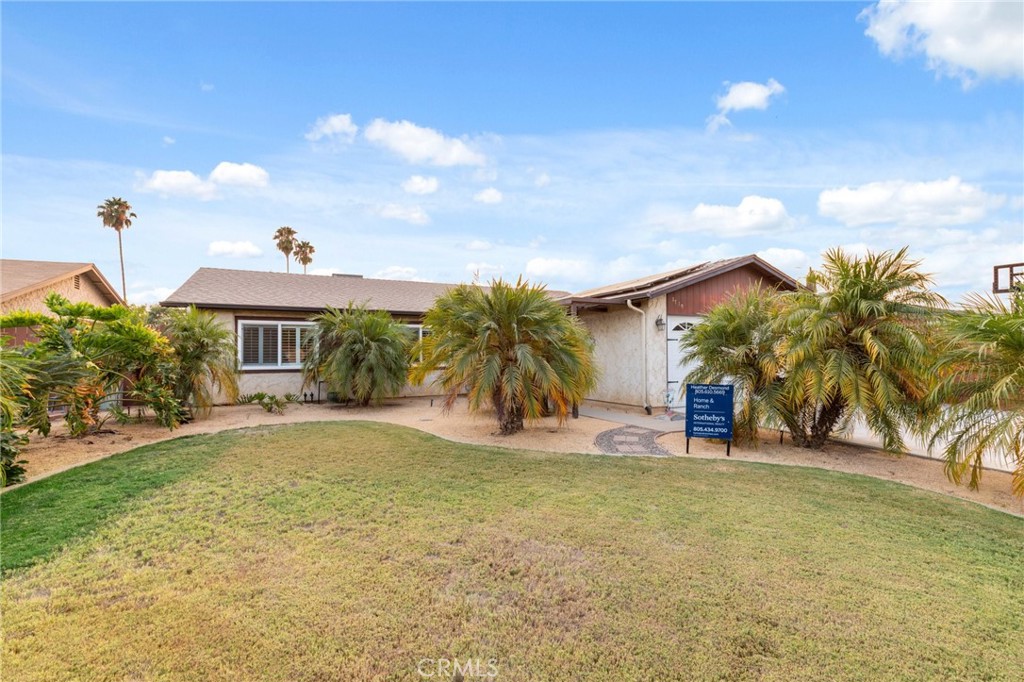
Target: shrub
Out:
[11,471]
[360,353]
[510,347]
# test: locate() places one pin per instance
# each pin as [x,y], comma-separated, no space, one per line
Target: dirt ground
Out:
[56,453]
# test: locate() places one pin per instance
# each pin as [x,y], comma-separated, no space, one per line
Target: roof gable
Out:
[669,282]
[20,277]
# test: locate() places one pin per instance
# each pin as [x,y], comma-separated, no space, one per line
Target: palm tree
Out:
[16,371]
[981,388]
[360,353]
[117,213]
[206,358]
[509,347]
[855,348]
[738,342]
[304,254]
[285,238]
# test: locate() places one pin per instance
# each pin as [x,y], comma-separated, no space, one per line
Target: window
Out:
[417,333]
[273,345]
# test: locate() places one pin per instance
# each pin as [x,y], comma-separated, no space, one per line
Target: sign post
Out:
[709,413]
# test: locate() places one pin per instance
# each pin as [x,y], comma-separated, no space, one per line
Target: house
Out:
[270,312]
[637,324]
[25,284]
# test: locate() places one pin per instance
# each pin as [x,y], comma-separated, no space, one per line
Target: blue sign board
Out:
[709,411]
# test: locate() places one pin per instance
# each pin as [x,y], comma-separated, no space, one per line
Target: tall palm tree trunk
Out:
[287,263]
[120,251]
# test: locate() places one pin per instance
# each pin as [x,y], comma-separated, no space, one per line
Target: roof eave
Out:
[274,308]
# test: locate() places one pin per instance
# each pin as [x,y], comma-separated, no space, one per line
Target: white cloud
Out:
[688,257]
[490,195]
[422,145]
[951,263]
[749,95]
[792,261]
[333,127]
[396,272]
[753,214]
[148,296]
[419,184]
[562,269]
[410,214]
[740,96]
[935,203]
[168,140]
[179,183]
[964,40]
[188,184]
[239,175]
[537,241]
[244,249]
[542,180]
[625,268]
[206,87]
[478,245]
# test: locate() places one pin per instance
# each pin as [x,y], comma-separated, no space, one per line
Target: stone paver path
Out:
[631,440]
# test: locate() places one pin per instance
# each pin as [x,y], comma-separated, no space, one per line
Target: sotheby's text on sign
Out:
[709,411]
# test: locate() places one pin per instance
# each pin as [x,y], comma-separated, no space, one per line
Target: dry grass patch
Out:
[352,551]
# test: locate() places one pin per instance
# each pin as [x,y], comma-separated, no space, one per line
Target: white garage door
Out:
[676,388]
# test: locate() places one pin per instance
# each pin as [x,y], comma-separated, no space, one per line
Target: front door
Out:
[675,392]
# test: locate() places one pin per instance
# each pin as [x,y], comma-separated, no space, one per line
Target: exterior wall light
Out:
[659,323]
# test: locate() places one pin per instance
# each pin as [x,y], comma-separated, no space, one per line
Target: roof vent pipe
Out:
[643,335]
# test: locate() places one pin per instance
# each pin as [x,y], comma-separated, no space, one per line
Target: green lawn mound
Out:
[355,551]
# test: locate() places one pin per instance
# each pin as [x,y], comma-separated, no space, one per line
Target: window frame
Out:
[418,328]
[241,323]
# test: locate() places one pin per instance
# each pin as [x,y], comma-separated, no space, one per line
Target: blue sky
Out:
[578,144]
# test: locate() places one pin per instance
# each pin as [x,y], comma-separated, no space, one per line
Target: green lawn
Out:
[354,551]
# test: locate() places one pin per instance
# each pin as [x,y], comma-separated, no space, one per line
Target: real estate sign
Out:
[709,412]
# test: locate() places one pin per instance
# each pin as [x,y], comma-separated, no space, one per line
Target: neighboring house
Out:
[25,284]
[637,325]
[270,311]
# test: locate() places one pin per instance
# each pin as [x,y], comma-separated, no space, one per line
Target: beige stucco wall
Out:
[281,382]
[35,301]
[618,350]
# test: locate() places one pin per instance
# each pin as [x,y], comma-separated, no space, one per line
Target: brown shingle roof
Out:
[248,289]
[19,277]
[666,282]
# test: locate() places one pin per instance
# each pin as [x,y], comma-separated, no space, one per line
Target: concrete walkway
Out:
[659,423]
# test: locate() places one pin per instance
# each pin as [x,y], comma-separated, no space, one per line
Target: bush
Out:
[273,404]
[11,471]
[360,353]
